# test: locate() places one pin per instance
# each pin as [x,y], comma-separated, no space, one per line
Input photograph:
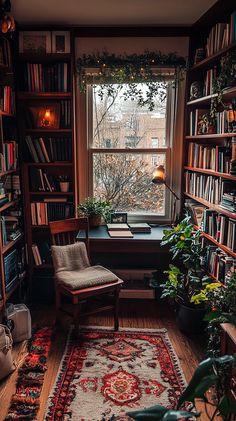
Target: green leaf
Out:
[160,413]
[212,315]
[205,384]
[227,406]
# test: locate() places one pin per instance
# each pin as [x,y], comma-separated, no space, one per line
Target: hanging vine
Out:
[107,70]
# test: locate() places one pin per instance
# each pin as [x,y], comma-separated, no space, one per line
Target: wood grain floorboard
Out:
[145,314]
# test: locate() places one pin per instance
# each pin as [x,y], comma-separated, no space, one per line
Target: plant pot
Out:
[64,186]
[190,320]
[211,129]
[94,221]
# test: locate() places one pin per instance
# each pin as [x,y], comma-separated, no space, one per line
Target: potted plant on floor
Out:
[214,374]
[187,283]
[95,209]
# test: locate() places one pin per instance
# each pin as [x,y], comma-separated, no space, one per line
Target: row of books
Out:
[9,158]
[216,158]
[229,201]
[10,228]
[221,228]
[42,181]
[44,212]
[127,230]
[224,121]
[49,149]
[5,53]
[221,36]
[7,100]
[208,81]
[41,253]
[218,263]
[207,187]
[45,78]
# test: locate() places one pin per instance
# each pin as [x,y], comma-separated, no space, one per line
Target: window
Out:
[123,153]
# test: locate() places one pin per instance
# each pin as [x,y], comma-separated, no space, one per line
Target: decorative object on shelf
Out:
[64,183]
[196,90]
[200,54]
[187,283]
[46,116]
[46,121]
[133,367]
[95,209]
[159,178]
[33,42]
[153,68]
[7,22]
[233,160]
[119,218]
[214,374]
[60,42]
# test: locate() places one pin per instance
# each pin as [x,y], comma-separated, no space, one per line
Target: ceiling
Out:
[110,12]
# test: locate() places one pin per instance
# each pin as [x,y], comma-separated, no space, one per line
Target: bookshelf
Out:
[12,240]
[45,97]
[210,132]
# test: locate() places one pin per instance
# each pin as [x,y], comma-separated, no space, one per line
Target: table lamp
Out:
[159,178]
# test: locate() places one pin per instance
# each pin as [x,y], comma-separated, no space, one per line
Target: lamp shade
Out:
[159,175]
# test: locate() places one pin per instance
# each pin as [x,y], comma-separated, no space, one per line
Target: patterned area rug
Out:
[104,374]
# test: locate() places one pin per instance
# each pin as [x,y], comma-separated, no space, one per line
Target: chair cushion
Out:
[70,257]
[85,278]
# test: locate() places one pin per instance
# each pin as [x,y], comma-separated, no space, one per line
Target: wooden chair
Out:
[64,233]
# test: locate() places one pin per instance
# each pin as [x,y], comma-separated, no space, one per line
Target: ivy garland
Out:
[109,69]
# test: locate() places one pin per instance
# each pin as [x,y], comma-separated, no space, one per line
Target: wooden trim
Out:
[132,31]
[82,152]
[129,150]
[216,13]
[212,240]
[210,136]
[207,62]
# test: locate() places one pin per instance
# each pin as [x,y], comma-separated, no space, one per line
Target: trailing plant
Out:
[227,74]
[93,206]
[187,282]
[107,70]
[212,373]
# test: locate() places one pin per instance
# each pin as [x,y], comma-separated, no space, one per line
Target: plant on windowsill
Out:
[187,283]
[96,210]
[214,374]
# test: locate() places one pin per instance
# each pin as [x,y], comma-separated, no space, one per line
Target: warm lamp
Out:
[46,118]
[159,178]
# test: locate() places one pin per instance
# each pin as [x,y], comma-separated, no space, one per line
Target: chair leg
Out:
[116,309]
[76,317]
[58,304]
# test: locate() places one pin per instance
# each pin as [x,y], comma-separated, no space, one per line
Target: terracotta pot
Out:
[64,186]
[211,129]
[94,221]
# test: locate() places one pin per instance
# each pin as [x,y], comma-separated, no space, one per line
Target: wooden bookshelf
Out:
[9,171]
[205,72]
[36,93]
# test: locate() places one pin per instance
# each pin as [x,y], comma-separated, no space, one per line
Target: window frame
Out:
[168,150]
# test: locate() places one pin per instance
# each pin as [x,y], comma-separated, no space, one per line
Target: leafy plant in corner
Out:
[212,373]
[187,282]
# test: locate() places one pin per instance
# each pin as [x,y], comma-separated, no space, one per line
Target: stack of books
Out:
[46,78]
[229,202]
[10,228]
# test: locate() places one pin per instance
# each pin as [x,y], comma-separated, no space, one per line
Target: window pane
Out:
[123,124]
[125,179]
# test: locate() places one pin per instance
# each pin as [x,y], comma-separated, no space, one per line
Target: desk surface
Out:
[100,233]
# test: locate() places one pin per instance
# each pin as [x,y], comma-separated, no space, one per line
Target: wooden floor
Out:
[133,313]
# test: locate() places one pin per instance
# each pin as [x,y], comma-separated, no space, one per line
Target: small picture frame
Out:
[34,42]
[61,42]
[119,218]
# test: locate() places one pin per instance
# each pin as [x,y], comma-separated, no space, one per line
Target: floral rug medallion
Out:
[104,374]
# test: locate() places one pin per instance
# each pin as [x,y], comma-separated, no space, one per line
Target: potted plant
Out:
[214,374]
[64,183]
[187,283]
[95,209]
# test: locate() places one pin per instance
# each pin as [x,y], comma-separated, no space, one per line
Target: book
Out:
[118,227]
[140,227]
[120,234]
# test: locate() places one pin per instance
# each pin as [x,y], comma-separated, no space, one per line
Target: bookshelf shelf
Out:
[211,206]
[43,266]
[227,94]
[3,173]
[211,172]
[212,240]
[4,113]
[45,58]
[11,244]
[41,131]
[50,164]
[208,61]
[50,193]
[210,136]
[8,205]
[44,95]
